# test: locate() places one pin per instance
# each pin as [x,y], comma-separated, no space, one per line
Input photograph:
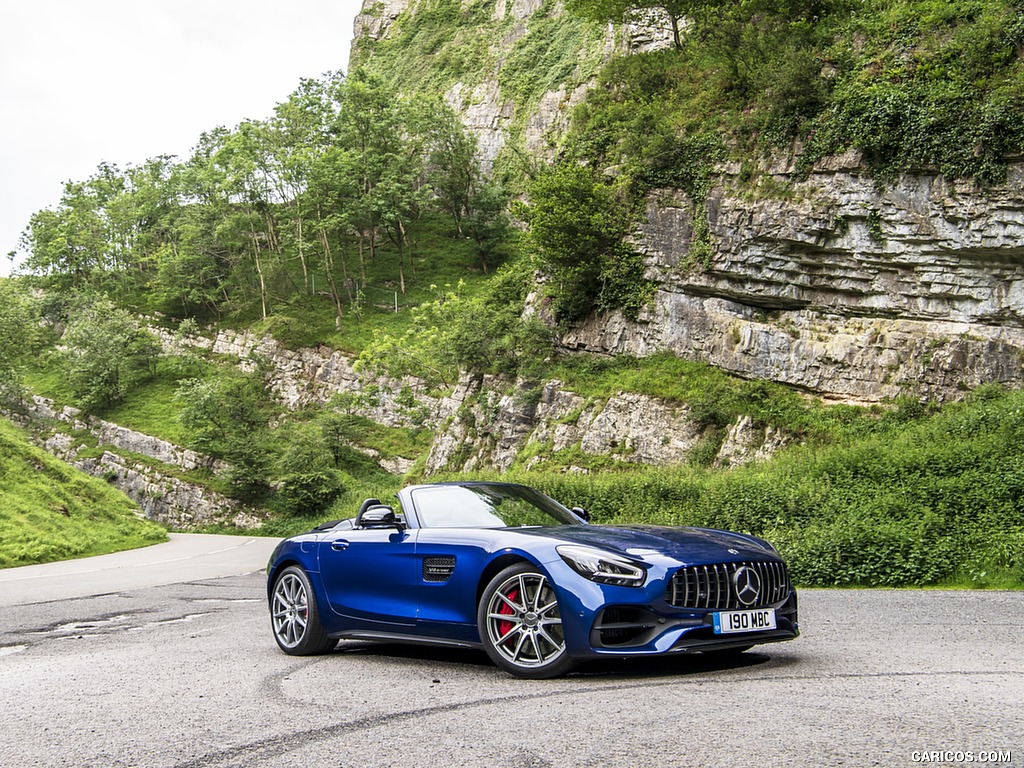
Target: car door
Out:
[451,561]
[370,575]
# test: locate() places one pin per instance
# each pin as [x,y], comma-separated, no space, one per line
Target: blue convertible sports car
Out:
[506,568]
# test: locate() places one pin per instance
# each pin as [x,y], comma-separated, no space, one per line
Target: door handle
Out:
[339,545]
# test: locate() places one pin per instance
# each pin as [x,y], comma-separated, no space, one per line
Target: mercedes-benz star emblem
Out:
[748,585]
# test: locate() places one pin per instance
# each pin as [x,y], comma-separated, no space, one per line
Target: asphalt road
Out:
[185,674]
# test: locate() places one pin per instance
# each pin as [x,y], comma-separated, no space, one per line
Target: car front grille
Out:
[715,586]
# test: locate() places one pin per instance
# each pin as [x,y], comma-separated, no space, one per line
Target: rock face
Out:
[160,495]
[122,438]
[376,18]
[834,285]
[487,428]
[489,112]
[840,288]
[167,499]
[315,375]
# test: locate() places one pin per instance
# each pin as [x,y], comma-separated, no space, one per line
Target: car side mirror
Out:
[379,516]
[581,512]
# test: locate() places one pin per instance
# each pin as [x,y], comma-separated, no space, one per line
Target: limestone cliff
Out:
[832,283]
[842,288]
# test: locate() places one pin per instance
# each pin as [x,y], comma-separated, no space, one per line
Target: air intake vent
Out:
[438,568]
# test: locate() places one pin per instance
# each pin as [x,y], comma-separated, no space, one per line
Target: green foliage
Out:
[106,353]
[543,59]
[913,85]
[455,332]
[933,500]
[318,208]
[454,37]
[578,221]
[20,338]
[926,84]
[307,468]
[666,14]
[228,417]
[50,511]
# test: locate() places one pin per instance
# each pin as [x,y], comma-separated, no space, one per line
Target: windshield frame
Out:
[427,518]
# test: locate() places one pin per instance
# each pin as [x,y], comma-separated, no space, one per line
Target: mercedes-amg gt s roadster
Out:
[505,568]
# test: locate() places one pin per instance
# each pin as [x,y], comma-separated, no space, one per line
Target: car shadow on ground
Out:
[683,664]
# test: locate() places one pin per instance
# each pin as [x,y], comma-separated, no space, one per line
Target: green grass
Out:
[438,258]
[150,407]
[50,511]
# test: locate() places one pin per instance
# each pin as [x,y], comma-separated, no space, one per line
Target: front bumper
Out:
[623,621]
[641,630]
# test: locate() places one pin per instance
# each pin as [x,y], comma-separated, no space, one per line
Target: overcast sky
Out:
[87,81]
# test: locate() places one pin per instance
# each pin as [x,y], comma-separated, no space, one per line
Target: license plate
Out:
[729,622]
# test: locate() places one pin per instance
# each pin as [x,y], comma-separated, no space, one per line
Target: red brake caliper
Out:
[504,627]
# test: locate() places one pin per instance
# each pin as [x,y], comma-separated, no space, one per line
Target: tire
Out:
[521,626]
[295,617]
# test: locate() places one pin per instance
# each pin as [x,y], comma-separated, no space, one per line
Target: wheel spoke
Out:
[290,610]
[543,611]
[537,653]
[538,592]
[519,646]
[547,636]
[518,629]
[505,617]
[510,603]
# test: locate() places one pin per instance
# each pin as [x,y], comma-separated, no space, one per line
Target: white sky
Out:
[86,81]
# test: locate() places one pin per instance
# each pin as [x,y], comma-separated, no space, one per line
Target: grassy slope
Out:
[50,511]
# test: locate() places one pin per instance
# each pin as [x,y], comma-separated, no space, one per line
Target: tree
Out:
[19,337]
[457,185]
[376,162]
[228,417]
[297,136]
[106,353]
[307,470]
[487,222]
[672,12]
[481,334]
[578,221]
[453,165]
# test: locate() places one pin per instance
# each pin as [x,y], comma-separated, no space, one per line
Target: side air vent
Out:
[439,568]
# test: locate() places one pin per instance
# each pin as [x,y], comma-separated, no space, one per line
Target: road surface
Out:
[186,675]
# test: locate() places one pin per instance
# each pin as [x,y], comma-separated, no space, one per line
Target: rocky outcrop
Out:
[376,18]
[490,423]
[166,499]
[307,375]
[124,439]
[840,288]
[161,495]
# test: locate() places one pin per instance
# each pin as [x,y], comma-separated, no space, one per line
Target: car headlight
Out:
[603,567]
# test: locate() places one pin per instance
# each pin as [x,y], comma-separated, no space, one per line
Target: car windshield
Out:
[487,506]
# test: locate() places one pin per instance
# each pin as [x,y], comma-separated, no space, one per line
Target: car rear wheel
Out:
[294,616]
[521,626]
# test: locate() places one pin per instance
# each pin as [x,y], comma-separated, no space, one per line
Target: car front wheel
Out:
[521,626]
[294,616]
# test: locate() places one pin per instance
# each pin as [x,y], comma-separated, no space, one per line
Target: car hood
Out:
[687,545]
